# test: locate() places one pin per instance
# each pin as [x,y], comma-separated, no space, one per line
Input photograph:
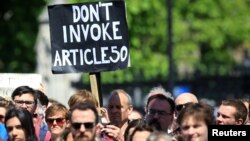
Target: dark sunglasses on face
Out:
[179,107]
[58,120]
[87,125]
[21,102]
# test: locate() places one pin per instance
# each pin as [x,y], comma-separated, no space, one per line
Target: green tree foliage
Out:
[147,32]
[206,33]
[211,30]
[18,28]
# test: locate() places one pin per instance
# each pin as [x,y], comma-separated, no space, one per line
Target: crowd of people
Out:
[31,115]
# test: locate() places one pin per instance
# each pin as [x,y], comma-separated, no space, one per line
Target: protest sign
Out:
[10,81]
[88,37]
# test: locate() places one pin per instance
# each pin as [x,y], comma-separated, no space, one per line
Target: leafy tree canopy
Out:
[206,34]
[205,37]
[19,27]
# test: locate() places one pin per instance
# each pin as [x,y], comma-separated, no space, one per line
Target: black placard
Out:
[88,37]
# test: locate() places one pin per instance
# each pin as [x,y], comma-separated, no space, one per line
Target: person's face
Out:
[193,129]
[2,114]
[225,116]
[56,123]
[15,129]
[140,136]
[37,119]
[119,110]
[83,126]
[159,114]
[25,101]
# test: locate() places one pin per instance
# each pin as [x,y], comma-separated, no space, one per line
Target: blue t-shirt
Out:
[3,132]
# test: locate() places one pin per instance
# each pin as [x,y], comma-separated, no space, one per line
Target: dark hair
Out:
[142,126]
[241,109]
[22,90]
[131,124]
[26,121]
[44,100]
[84,106]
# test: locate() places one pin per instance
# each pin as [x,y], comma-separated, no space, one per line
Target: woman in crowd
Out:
[57,117]
[141,132]
[19,125]
[194,120]
[131,126]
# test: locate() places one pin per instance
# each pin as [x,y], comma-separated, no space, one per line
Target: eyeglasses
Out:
[21,102]
[159,112]
[87,125]
[1,118]
[179,107]
[59,121]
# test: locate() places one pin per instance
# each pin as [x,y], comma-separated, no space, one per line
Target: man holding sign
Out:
[89,37]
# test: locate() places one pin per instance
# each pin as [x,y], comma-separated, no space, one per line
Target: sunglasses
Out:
[179,107]
[21,102]
[60,121]
[87,125]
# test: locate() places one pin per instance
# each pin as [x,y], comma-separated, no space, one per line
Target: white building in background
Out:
[57,86]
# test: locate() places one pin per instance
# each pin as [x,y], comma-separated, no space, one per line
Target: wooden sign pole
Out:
[95,82]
